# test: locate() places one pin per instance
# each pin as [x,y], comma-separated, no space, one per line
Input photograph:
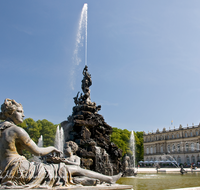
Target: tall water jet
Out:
[81,35]
[59,139]
[132,148]
[40,141]
[86,33]
[81,38]
[62,139]
[129,161]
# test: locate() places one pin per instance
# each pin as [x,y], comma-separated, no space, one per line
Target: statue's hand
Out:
[57,152]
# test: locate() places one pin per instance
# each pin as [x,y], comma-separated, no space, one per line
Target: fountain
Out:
[85,126]
[92,134]
[132,148]
[129,162]
[102,162]
[89,130]
[57,171]
[162,159]
[59,139]
[40,141]
[170,159]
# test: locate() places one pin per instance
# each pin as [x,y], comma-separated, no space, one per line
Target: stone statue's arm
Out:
[69,162]
[66,161]
[30,145]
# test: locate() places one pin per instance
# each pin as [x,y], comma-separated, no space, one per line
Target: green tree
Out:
[48,131]
[40,127]
[37,128]
[32,128]
[139,146]
[122,139]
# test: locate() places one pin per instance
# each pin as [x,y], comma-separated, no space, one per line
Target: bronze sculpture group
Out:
[17,171]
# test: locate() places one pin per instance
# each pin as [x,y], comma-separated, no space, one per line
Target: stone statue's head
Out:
[9,109]
[72,145]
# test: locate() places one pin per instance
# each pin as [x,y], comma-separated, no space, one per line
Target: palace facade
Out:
[181,144]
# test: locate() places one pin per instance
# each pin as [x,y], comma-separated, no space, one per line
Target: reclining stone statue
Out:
[73,165]
[18,172]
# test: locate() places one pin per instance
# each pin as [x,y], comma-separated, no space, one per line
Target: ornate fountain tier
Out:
[90,131]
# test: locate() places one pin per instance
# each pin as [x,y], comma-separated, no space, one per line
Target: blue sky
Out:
[143,57]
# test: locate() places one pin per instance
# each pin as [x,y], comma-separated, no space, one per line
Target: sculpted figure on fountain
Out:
[86,126]
[85,98]
[18,172]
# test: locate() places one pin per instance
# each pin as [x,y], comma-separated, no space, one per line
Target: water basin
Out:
[162,181]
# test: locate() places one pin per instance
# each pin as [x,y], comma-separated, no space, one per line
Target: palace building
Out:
[180,144]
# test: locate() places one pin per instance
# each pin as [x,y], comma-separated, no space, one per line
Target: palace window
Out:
[168,148]
[188,160]
[192,146]
[155,149]
[185,134]
[179,160]
[178,147]
[161,149]
[191,134]
[177,135]
[186,147]
[193,159]
[151,150]
[197,145]
[172,136]
[196,133]
[173,148]
[147,150]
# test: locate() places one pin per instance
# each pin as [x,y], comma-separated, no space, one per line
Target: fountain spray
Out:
[86,33]
[80,37]
[132,148]
[59,139]
[40,141]
[81,34]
